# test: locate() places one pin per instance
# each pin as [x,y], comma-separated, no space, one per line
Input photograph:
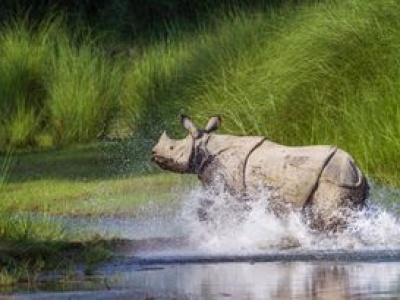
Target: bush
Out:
[22,91]
[52,82]
[84,88]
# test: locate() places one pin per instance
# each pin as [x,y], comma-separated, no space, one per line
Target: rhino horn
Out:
[164,135]
[213,124]
[190,126]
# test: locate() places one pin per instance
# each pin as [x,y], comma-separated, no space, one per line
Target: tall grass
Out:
[150,86]
[22,68]
[54,83]
[317,73]
[84,87]
[5,167]
[330,75]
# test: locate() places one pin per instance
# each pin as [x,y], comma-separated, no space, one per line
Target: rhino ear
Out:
[213,124]
[189,126]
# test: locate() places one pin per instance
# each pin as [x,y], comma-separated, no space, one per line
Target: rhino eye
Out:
[171,147]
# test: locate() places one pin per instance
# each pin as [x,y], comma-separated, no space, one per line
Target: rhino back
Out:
[229,154]
[292,172]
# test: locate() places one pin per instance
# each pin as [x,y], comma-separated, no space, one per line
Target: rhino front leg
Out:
[203,212]
[223,208]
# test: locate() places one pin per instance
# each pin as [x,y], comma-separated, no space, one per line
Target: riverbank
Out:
[92,181]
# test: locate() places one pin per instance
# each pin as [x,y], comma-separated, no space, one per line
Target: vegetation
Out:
[30,245]
[53,90]
[33,243]
[92,180]
[322,72]
[89,181]
[85,72]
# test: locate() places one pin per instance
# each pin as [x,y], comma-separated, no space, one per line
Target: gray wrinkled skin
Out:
[321,181]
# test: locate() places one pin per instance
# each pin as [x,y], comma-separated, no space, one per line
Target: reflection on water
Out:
[274,280]
[294,280]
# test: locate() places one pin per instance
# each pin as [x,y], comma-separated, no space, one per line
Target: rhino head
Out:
[180,155]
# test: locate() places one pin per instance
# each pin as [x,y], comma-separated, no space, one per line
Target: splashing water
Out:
[234,227]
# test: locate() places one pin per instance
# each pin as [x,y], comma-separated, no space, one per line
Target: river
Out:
[170,254]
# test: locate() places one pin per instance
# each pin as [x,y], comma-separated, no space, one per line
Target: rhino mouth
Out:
[169,164]
[158,160]
[162,162]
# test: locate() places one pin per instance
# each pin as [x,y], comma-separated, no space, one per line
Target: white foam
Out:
[233,229]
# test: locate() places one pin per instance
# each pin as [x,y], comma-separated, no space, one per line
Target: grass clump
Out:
[22,90]
[32,243]
[83,91]
[54,84]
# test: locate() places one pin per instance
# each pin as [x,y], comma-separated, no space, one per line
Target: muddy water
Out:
[172,255]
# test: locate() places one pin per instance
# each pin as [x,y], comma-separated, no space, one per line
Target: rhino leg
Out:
[341,188]
[331,206]
[205,205]
[232,208]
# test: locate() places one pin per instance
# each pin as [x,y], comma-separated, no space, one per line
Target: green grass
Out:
[30,244]
[322,73]
[22,65]
[26,252]
[315,73]
[5,166]
[54,84]
[83,91]
[103,197]
[93,180]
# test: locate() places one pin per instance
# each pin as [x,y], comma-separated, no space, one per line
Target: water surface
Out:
[267,280]
[173,255]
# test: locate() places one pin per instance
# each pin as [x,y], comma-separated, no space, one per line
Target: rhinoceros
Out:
[323,182]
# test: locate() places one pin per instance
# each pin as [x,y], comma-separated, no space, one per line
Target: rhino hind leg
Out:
[341,189]
[331,206]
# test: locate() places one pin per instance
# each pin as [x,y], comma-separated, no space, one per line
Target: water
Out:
[273,280]
[236,255]
[231,229]
[377,227]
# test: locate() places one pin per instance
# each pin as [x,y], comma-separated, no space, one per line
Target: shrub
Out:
[84,87]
